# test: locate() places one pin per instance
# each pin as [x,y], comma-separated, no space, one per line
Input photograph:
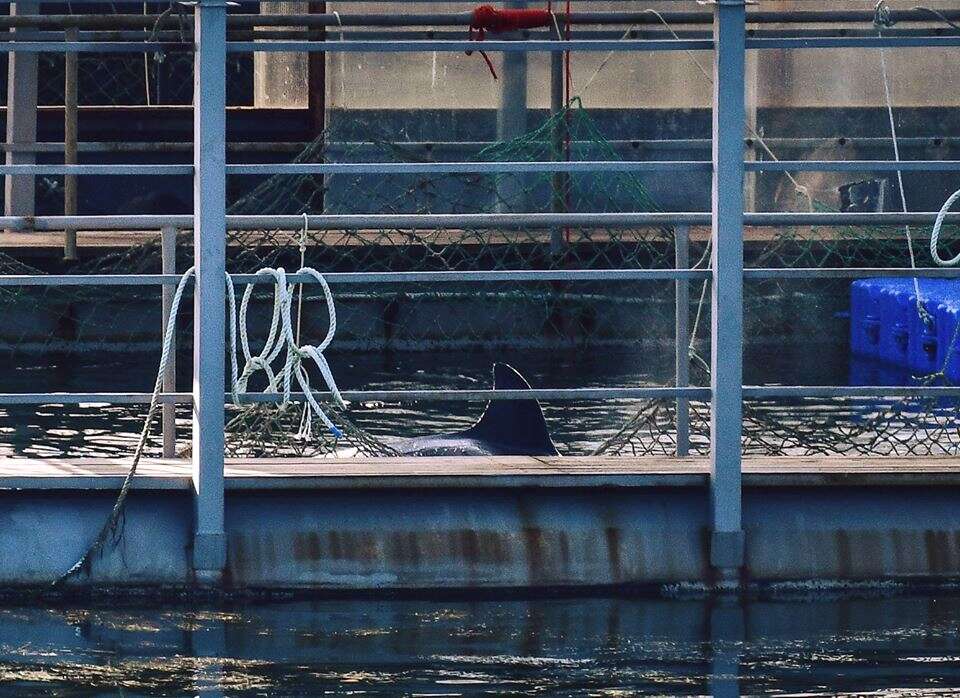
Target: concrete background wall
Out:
[669,80]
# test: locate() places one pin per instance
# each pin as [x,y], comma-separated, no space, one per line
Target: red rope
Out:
[487,18]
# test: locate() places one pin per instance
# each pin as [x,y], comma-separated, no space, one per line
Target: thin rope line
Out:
[921,311]
[303,255]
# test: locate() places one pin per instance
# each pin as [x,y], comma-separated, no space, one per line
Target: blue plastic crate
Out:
[886,325]
[948,316]
[866,322]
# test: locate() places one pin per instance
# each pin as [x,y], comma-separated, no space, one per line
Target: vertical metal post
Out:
[19,190]
[70,112]
[168,256]
[752,97]
[726,375]
[209,202]
[512,118]
[681,236]
[559,181]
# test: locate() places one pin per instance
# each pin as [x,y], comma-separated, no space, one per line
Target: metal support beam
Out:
[209,202]
[168,256]
[726,308]
[682,333]
[19,190]
[560,180]
[752,98]
[70,118]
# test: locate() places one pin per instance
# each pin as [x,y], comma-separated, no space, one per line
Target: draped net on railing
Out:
[562,334]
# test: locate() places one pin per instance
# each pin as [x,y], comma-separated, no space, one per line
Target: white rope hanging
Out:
[935,234]
[281,337]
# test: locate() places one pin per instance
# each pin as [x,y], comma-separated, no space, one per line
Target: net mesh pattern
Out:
[582,316]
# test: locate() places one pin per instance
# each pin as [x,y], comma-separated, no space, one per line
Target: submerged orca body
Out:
[507,428]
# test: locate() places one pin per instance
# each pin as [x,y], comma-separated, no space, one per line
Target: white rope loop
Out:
[280,338]
[935,234]
[276,341]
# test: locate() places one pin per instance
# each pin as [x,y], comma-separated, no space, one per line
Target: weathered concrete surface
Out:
[505,536]
[468,539]
[43,533]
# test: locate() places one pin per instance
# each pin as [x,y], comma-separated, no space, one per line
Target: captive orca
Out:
[506,428]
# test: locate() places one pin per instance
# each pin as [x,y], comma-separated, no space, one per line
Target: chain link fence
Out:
[599,320]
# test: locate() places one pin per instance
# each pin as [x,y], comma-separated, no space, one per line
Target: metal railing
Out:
[209,222]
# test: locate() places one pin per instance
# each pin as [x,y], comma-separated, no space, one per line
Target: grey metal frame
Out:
[727,220]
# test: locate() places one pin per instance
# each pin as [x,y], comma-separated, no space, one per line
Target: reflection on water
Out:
[101,430]
[571,647]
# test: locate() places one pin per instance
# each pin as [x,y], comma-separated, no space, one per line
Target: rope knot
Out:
[487,18]
[882,17]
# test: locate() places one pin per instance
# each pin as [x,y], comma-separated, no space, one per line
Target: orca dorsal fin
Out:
[516,426]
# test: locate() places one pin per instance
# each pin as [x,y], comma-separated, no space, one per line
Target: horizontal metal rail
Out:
[92,46]
[373,277]
[491,46]
[852,165]
[387,168]
[499,276]
[847,391]
[787,219]
[558,394]
[478,221]
[99,170]
[844,273]
[549,394]
[353,147]
[854,42]
[470,167]
[463,18]
[387,34]
[387,46]
[364,46]
[498,46]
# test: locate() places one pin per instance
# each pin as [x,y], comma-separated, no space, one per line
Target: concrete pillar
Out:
[281,79]
[512,118]
[19,190]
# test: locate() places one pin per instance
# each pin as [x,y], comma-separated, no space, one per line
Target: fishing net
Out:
[605,321]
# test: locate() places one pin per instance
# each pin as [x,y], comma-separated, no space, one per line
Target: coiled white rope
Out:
[935,234]
[279,337]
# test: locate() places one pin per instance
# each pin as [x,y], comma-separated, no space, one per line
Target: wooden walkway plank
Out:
[478,472]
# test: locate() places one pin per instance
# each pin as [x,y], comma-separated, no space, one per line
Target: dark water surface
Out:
[98,430]
[895,646]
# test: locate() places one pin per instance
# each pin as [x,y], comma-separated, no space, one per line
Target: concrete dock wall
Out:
[459,538]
